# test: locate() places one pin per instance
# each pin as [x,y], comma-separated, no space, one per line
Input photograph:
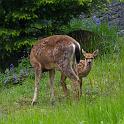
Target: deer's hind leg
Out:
[66,64]
[69,71]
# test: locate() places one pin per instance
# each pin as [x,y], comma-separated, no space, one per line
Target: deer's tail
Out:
[77,52]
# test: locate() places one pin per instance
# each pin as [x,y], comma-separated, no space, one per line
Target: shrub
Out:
[91,33]
[14,75]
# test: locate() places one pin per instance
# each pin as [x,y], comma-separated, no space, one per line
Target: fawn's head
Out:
[89,56]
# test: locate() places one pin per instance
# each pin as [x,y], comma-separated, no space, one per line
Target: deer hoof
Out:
[52,101]
[33,103]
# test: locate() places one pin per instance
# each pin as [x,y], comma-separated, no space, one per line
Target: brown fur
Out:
[83,69]
[54,52]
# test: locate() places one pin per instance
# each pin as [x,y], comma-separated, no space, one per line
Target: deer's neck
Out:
[87,69]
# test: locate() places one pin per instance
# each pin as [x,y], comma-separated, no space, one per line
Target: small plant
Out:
[15,75]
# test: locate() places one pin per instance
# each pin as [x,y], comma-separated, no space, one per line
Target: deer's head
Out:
[89,56]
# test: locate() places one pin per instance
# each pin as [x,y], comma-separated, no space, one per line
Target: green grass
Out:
[102,101]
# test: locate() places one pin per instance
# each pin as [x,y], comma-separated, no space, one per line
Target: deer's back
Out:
[50,49]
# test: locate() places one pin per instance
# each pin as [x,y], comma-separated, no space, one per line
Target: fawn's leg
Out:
[62,81]
[37,68]
[51,76]
[80,81]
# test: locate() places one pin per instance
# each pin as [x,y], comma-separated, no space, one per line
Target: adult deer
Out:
[55,52]
[83,69]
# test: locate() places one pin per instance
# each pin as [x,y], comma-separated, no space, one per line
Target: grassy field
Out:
[102,101]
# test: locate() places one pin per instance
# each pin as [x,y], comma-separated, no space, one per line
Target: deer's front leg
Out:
[62,81]
[37,80]
[52,76]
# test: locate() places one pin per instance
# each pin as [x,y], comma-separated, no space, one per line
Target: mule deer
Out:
[55,52]
[83,69]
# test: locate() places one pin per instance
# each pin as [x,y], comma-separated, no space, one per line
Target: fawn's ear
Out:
[83,52]
[95,53]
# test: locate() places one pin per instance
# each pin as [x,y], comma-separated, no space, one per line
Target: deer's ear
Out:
[83,52]
[95,53]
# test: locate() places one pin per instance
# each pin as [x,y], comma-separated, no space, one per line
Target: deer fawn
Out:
[59,52]
[83,69]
